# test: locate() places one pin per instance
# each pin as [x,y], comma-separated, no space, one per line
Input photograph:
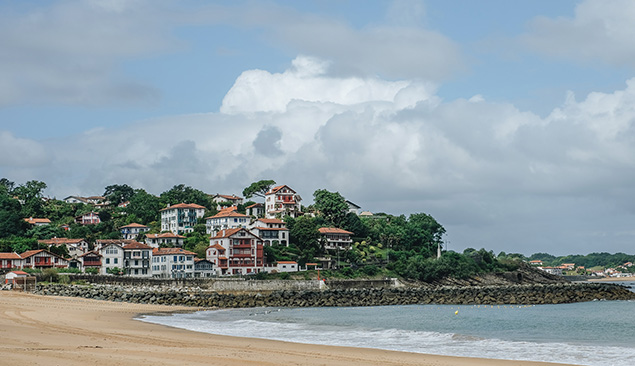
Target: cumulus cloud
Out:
[477,166]
[598,31]
[20,152]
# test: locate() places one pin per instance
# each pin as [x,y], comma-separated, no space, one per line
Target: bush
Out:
[92,271]
[50,275]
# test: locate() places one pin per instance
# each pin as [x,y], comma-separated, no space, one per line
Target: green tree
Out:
[11,221]
[31,194]
[118,193]
[144,206]
[331,205]
[6,186]
[305,235]
[259,188]
[184,194]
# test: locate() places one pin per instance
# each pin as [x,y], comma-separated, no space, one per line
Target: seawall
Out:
[477,295]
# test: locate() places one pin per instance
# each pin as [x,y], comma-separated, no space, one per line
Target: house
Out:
[75,247]
[90,259]
[90,218]
[353,208]
[334,238]
[92,200]
[568,266]
[536,262]
[112,257]
[552,270]
[285,266]
[42,258]
[12,276]
[271,231]
[236,251]
[172,263]
[181,217]
[281,201]
[165,239]
[221,198]
[10,260]
[101,243]
[225,219]
[131,231]
[136,259]
[255,210]
[203,268]
[38,222]
[75,199]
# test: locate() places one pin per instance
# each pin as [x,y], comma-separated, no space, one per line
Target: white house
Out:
[136,260]
[203,268]
[42,258]
[236,251]
[232,199]
[281,201]
[11,276]
[172,263]
[284,266]
[166,239]
[181,217]
[271,231]
[334,238]
[131,231]
[10,260]
[75,247]
[225,219]
[353,208]
[112,257]
[38,221]
[90,218]
[255,210]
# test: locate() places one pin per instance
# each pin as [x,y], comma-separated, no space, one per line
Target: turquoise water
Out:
[598,333]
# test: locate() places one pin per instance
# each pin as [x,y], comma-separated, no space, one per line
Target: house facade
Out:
[75,247]
[236,251]
[172,263]
[203,268]
[232,199]
[136,260]
[90,259]
[181,218]
[334,238]
[131,231]
[271,231]
[281,201]
[165,239]
[37,221]
[256,210]
[10,261]
[112,257]
[41,259]
[90,218]
[226,219]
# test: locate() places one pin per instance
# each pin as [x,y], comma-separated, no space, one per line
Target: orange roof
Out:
[333,230]
[10,256]
[92,252]
[60,241]
[288,262]
[227,213]
[134,224]
[276,189]
[29,253]
[19,272]
[272,221]
[137,245]
[217,246]
[255,205]
[184,205]
[227,233]
[32,221]
[169,251]
[271,228]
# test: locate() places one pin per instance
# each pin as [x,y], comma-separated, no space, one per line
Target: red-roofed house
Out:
[181,218]
[10,260]
[281,201]
[90,259]
[334,238]
[42,258]
[11,276]
[165,239]
[75,247]
[255,210]
[220,198]
[172,263]
[131,231]
[38,222]
[90,218]
[225,219]
[136,259]
[271,231]
[236,251]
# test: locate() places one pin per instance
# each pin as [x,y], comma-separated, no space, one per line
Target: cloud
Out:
[494,175]
[19,152]
[70,52]
[599,31]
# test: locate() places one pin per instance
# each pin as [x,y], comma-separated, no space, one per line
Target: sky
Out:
[512,123]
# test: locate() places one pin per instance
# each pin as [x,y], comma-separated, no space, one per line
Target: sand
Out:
[47,330]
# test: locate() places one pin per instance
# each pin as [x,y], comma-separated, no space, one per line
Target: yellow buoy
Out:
[456,312]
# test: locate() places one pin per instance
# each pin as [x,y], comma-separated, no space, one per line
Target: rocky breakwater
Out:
[484,295]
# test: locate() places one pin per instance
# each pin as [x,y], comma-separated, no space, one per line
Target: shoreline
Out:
[43,330]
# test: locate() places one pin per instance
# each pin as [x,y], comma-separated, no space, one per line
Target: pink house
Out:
[88,219]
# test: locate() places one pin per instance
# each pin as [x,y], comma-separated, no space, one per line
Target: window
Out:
[107,260]
[115,260]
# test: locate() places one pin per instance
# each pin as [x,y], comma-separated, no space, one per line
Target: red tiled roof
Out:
[59,241]
[288,262]
[169,251]
[272,221]
[333,230]
[184,205]
[33,220]
[10,256]
[276,189]
[19,272]
[227,213]
[134,224]
[136,245]
[255,205]
[91,253]
[217,246]
[227,233]
[271,228]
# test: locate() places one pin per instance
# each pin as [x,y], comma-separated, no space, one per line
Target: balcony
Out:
[92,263]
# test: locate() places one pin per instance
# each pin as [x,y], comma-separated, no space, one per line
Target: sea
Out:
[597,333]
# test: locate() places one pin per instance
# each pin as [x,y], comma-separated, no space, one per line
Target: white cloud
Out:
[599,31]
[20,152]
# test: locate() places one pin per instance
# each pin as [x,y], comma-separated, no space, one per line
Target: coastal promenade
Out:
[51,330]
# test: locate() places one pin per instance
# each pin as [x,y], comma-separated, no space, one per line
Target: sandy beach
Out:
[46,330]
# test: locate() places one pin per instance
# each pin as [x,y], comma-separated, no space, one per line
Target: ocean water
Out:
[598,333]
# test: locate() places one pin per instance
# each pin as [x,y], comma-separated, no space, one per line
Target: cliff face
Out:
[524,275]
